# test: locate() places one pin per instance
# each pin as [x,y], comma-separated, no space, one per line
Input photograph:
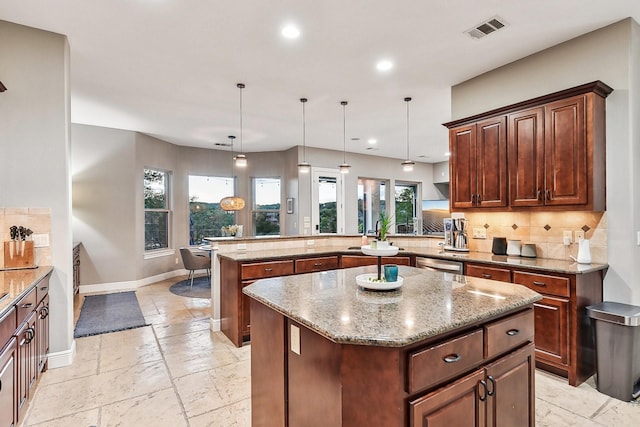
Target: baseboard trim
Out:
[60,359]
[214,324]
[131,284]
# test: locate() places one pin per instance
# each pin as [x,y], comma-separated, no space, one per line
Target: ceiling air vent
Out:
[487,27]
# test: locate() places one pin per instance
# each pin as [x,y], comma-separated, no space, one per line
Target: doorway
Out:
[327,201]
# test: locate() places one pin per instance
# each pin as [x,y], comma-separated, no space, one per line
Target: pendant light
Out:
[344,167]
[241,159]
[232,203]
[407,165]
[304,166]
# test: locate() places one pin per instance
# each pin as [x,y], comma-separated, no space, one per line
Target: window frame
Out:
[417,201]
[168,200]
[254,210]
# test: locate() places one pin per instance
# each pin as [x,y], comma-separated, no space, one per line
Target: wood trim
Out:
[596,87]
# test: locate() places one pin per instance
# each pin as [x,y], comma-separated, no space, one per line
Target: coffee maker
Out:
[455,235]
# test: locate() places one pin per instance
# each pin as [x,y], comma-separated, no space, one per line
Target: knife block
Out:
[16,257]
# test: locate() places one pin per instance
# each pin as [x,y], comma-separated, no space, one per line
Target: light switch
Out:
[295,339]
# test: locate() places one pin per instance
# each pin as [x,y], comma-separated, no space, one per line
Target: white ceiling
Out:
[169,68]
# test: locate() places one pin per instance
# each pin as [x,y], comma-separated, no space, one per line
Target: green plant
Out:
[384,222]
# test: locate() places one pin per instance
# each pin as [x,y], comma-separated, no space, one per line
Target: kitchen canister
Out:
[499,246]
[513,247]
[528,250]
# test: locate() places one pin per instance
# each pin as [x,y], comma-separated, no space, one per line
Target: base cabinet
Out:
[499,395]
[8,402]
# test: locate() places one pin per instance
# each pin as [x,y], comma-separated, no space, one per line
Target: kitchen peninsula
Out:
[327,352]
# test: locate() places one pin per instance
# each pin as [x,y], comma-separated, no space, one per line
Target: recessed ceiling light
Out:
[290,31]
[384,65]
[372,141]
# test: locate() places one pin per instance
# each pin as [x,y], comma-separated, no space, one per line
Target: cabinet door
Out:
[42,336]
[526,158]
[457,405]
[8,398]
[462,144]
[245,312]
[566,152]
[510,385]
[552,336]
[23,336]
[491,163]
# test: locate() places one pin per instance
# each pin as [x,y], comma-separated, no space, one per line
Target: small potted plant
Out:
[383,225]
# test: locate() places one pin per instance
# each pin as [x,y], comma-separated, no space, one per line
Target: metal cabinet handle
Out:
[27,305]
[487,276]
[268,269]
[473,199]
[493,386]
[479,198]
[452,358]
[317,264]
[539,195]
[44,288]
[548,194]
[483,383]
[544,285]
[513,332]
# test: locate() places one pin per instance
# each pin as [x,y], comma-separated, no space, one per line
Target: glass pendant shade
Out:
[304,167]
[344,168]
[407,165]
[241,160]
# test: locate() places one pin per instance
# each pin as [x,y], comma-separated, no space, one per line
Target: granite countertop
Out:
[16,283]
[540,264]
[427,305]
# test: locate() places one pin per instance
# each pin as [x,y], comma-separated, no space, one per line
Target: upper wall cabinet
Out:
[545,153]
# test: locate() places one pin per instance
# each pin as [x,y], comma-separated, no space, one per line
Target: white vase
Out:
[383,244]
[513,247]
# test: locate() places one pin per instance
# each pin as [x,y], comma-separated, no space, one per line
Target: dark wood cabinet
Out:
[349,261]
[27,361]
[478,164]
[563,332]
[309,265]
[8,392]
[556,153]
[485,272]
[42,337]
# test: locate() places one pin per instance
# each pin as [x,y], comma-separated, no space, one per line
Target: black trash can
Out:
[617,328]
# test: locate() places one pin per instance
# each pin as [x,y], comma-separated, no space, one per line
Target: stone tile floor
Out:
[176,372]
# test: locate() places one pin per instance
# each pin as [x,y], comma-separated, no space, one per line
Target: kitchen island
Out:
[326,352]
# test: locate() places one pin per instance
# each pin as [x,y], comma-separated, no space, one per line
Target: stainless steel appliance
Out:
[455,235]
[435,264]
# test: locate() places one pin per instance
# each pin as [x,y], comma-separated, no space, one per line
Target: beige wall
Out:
[34,155]
[611,55]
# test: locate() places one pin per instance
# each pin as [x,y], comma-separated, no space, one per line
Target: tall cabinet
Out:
[554,147]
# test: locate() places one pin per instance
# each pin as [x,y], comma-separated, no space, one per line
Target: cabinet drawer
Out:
[349,261]
[435,364]
[307,265]
[8,326]
[42,290]
[261,270]
[506,334]
[484,272]
[553,285]
[26,305]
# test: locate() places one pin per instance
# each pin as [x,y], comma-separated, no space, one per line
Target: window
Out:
[157,215]
[371,201]
[206,218]
[406,215]
[266,207]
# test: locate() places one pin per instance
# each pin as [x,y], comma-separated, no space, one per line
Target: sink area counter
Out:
[332,305]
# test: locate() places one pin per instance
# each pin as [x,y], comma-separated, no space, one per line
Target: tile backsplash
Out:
[544,229]
[37,219]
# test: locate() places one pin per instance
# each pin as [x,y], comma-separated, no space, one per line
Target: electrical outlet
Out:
[295,339]
[40,240]
[311,242]
[479,233]
[242,246]
[567,237]
[176,260]
[578,234]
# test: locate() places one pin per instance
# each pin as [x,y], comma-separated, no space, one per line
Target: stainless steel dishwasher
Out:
[435,264]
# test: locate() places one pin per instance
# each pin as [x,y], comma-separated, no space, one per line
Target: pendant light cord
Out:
[407,101]
[241,86]
[304,130]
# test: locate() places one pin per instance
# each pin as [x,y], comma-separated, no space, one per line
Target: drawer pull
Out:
[317,264]
[542,284]
[44,288]
[268,269]
[487,276]
[513,332]
[452,358]
[28,305]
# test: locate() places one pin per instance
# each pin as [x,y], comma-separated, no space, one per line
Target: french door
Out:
[327,201]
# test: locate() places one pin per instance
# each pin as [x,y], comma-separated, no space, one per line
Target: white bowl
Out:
[386,251]
[364,280]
